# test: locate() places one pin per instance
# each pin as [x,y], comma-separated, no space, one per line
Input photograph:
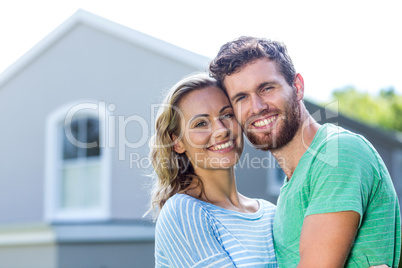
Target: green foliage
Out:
[384,109]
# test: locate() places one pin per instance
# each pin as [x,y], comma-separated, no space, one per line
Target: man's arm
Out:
[326,239]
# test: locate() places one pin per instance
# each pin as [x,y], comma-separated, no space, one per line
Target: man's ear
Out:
[299,85]
[178,145]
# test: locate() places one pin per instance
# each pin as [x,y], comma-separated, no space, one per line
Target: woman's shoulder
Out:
[184,211]
[266,205]
[179,200]
[182,204]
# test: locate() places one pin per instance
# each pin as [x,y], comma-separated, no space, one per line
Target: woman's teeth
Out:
[222,146]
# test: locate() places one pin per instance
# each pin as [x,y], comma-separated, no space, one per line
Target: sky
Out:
[333,44]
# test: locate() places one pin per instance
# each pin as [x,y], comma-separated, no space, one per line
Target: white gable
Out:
[82,17]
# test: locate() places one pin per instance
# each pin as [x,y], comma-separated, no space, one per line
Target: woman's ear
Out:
[178,145]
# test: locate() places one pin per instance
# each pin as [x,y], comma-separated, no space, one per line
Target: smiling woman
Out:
[211,137]
[202,220]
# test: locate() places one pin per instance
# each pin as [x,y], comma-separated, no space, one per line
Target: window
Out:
[80,165]
[77,178]
[276,177]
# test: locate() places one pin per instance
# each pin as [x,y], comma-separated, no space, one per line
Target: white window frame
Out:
[53,151]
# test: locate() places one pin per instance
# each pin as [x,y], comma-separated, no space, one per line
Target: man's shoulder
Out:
[343,154]
[335,137]
[330,132]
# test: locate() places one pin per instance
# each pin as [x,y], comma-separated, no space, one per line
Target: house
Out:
[77,113]
[63,206]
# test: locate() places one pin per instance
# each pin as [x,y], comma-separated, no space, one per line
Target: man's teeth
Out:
[222,146]
[264,122]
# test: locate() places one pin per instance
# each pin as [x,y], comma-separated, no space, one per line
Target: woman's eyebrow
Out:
[198,115]
[224,108]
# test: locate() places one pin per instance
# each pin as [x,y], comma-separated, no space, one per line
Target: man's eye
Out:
[267,88]
[240,98]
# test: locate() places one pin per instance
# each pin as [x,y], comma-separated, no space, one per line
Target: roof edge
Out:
[117,30]
[143,40]
[379,133]
[39,48]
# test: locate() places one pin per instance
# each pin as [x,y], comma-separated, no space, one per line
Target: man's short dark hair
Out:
[234,55]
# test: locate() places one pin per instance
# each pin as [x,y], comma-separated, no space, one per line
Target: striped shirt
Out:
[341,171]
[193,233]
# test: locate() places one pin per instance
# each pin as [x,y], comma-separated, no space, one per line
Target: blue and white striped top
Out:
[193,233]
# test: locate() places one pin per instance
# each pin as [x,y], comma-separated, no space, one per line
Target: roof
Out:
[326,114]
[82,17]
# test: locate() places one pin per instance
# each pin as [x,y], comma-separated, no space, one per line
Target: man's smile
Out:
[264,121]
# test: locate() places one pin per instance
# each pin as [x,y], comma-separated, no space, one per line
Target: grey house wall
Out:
[86,64]
[88,61]
[108,245]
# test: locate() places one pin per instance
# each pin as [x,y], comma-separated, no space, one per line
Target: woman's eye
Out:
[227,116]
[201,124]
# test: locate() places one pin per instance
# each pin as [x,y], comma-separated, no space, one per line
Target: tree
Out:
[384,109]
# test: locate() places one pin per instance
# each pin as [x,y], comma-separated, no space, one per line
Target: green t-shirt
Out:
[341,171]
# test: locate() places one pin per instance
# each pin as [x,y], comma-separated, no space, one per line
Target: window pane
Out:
[69,149]
[80,186]
[92,132]
[83,130]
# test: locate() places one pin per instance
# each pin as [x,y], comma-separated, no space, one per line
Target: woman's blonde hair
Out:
[174,172]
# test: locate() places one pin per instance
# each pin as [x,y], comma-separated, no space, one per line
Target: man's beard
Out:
[291,122]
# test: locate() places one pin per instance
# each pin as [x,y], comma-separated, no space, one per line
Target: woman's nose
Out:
[221,130]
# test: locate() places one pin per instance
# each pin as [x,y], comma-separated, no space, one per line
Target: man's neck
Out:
[289,155]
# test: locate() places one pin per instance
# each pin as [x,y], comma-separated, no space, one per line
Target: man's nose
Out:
[257,105]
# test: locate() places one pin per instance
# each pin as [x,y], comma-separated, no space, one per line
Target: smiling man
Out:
[338,206]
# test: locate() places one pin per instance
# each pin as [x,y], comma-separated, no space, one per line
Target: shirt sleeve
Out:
[185,236]
[341,176]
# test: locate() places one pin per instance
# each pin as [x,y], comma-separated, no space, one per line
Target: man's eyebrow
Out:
[224,108]
[237,95]
[259,87]
[198,115]
[264,84]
